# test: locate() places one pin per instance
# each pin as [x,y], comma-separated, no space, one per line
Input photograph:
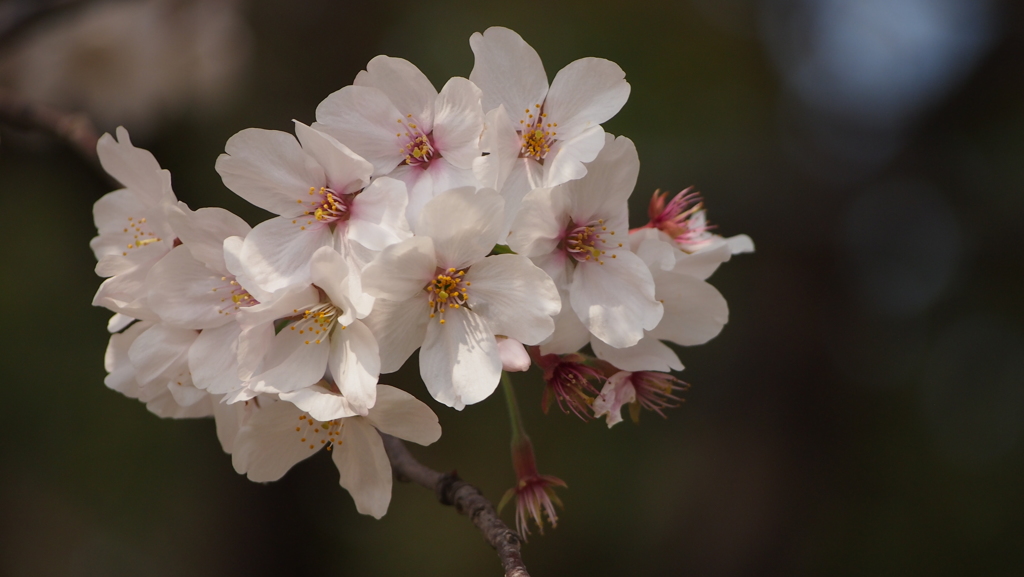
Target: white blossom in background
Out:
[133,229]
[395,118]
[132,63]
[278,435]
[323,194]
[441,291]
[578,232]
[539,136]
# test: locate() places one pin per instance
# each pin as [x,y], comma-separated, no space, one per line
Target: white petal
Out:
[459,361]
[649,354]
[321,403]
[329,272]
[401,270]
[585,94]
[213,359]
[695,311]
[228,419]
[426,183]
[134,168]
[400,327]
[269,169]
[458,122]
[655,248]
[364,467]
[404,84]
[541,222]
[507,70]
[160,353]
[166,407]
[345,171]
[565,160]
[610,179]
[516,298]
[525,176]
[268,444]
[233,262]
[378,215]
[186,394]
[276,254]
[401,415]
[355,365]
[126,294]
[501,141]
[740,244]
[118,322]
[292,364]
[365,120]
[186,293]
[615,300]
[203,232]
[464,225]
[570,335]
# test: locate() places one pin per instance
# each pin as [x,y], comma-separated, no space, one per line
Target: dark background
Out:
[861,413]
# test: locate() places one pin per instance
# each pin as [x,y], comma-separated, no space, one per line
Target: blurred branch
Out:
[467,500]
[17,17]
[74,129]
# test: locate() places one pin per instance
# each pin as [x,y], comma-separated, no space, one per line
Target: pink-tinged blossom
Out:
[393,117]
[539,136]
[441,291]
[684,220]
[569,381]
[534,493]
[133,230]
[279,434]
[647,390]
[514,358]
[577,232]
[323,194]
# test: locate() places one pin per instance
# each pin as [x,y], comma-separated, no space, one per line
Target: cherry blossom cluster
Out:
[485,224]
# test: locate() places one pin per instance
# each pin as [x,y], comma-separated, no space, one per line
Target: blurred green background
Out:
[861,414]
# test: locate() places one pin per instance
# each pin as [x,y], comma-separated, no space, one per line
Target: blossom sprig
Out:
[471,223]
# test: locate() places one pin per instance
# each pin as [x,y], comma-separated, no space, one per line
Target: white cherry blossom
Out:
[133,229]
[577,232]
[278,435]
[393,117]
[323,194]
[317,330]
[539,136]
[441,291]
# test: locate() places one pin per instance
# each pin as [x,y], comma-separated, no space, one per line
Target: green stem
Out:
[514,416]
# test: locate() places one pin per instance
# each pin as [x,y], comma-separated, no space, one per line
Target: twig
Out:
[467,500]
[74,129]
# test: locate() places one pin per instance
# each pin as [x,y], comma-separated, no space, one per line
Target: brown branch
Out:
[467,500]
[74,129]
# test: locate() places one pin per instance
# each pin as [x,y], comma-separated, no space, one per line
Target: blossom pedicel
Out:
[466,223]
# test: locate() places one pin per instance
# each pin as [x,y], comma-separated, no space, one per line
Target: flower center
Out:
[316,433]
[326,207]
[683,218]
[316,322]
[587,242]
[416,145]
[536,134]
[141,234]
[237,297]
[448,290]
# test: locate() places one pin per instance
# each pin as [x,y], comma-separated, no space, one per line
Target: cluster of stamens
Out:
[237,297]
[537,134]
[657,391]
[683,218]
[586,242]
[448,290]
[326,434]
[418,149]
[316,322]
[326,206]
[140,237]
